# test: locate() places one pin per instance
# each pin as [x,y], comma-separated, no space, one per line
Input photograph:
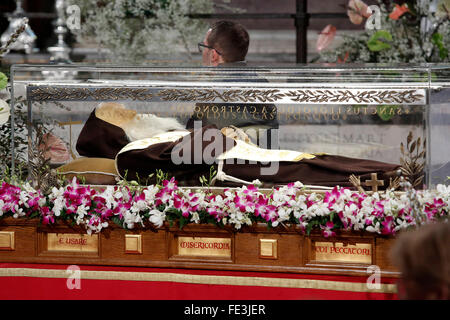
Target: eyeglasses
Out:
[201,45]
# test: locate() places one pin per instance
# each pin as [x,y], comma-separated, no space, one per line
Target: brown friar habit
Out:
[99,138]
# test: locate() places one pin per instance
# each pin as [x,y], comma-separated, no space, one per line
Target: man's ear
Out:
[216,58]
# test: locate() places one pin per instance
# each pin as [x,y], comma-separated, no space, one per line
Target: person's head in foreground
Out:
[423,258]
[225,42]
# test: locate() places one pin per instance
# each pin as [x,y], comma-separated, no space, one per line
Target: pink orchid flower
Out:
[378,208]
[182,205]
[54,148]
[47,216]
[326,37]
[163,196]
[357,11]
[399,11]
[388,227]
[271,213]
[170,185]
[239,203]
[326,230]
[331,197]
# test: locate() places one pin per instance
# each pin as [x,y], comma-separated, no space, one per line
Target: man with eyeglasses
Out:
[226,42]
[226,45]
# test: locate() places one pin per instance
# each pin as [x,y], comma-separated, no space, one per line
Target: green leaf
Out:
[183,221]
[379,41]
[386,112]
[437,40]
[34,214]
[3,81]
[310,226]
[308,229]
[117,221]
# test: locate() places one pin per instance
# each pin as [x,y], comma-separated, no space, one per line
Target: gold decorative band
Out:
[254,95]
[202,279]
[80,93]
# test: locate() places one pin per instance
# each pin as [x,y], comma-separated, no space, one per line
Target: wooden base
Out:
[253,248]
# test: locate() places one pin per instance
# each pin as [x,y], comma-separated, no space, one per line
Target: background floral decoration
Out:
[23,160]
[411,31]
[131,29]
[5,114]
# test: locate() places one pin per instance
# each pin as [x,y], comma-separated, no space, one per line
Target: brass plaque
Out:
[268,248]
[338,252]
[133,243]
[206,247]
[7,240]
[72,242]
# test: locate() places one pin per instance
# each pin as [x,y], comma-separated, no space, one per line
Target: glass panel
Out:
[439,124]
[358,112]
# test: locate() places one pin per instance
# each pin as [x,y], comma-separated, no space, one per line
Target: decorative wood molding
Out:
[133,243]
[268,249]
[7,240]
[295,252]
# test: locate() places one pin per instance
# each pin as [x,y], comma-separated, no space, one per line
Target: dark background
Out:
[44,29]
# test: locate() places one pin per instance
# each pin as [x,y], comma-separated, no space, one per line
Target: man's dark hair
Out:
[230,39]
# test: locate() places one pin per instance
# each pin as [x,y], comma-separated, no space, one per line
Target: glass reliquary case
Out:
[320,125]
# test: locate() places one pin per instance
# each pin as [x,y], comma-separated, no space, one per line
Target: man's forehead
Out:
[207,34]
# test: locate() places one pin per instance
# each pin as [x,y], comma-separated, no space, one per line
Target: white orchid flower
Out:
[5,111]
[157,217]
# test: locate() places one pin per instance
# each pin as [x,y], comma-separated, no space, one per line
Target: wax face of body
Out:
[210,57]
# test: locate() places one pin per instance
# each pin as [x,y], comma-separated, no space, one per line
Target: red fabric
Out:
[30,288]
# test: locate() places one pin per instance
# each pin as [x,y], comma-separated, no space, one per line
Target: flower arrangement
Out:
[154,205]
[411,31]
[131,29]
[20,114]
[4,107]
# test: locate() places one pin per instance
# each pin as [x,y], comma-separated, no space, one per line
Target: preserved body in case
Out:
[318,125]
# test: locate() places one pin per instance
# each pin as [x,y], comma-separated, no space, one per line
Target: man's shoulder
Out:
[247,74]
[233,64]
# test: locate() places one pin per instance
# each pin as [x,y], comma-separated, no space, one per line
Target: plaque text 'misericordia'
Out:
[300,96]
